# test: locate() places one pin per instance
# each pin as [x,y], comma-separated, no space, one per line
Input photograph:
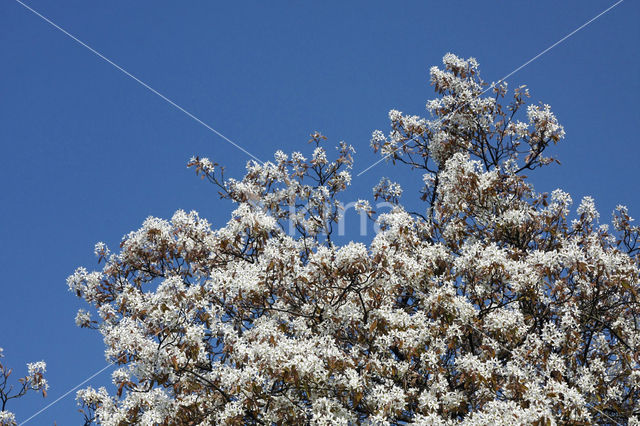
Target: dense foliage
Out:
[489,306]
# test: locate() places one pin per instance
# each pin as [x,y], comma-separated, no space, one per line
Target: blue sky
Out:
[88,153]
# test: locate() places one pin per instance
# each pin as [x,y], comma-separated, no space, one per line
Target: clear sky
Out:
[88,153]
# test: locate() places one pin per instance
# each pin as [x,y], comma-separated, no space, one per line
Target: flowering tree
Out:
[34,380]
[490,306]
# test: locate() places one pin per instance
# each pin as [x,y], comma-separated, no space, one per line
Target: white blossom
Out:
[7,418]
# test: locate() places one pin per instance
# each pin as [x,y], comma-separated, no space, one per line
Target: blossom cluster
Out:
[34,380]
[492,307]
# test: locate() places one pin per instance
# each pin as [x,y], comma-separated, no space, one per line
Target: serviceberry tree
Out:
[489,306]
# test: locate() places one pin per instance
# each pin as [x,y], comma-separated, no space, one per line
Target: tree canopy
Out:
[490,305]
